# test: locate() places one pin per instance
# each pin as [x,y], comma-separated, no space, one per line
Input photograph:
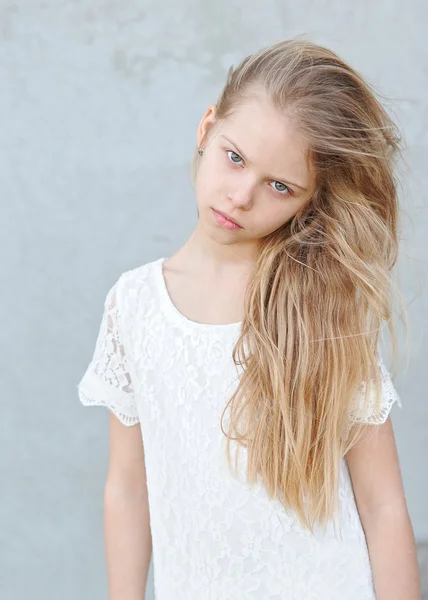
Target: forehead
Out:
[270,139]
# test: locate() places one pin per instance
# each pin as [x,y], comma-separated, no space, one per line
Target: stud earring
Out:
[201,151]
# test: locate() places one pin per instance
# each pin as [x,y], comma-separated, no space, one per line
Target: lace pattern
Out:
[375,415]
[107,380]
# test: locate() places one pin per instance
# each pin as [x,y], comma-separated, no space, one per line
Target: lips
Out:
[227,217]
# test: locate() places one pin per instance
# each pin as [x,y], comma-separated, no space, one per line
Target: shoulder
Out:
[135,279]
[138,276]
[135,288]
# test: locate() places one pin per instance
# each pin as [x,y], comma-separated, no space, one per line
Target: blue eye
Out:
[284,186]
[231,152]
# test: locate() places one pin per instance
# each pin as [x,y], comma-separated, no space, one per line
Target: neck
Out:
[211,253]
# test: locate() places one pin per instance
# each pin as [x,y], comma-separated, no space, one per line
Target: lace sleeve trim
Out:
[389,397]
[107,380]
[94,392]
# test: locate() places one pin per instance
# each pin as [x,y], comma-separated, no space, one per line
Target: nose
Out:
[243,195]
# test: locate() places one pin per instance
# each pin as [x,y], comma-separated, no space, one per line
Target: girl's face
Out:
[254,169]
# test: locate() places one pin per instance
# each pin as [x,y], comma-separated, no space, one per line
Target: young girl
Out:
[260,338]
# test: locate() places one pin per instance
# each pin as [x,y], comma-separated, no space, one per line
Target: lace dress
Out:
[214,537]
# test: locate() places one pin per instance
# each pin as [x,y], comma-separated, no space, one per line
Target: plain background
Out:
[99,104]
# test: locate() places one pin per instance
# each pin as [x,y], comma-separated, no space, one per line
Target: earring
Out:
[201,151]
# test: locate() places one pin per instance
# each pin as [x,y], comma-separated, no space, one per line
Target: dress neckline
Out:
[178,316]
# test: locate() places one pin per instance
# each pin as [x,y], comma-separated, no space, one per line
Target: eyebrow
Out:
[243,156]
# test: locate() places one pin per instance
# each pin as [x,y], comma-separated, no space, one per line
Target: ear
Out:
[206,123]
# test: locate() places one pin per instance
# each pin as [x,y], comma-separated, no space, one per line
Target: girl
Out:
[260,338]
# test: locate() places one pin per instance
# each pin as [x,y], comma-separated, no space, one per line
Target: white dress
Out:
[214,537]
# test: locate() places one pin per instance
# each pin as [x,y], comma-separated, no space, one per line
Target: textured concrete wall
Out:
[99,103]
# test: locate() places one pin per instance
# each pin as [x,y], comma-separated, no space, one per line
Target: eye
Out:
[281,191]
[231,159]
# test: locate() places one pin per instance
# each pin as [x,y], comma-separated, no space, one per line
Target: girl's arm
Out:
[379,494]
[126,514]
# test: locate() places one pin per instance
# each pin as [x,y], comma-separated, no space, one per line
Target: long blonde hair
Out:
[321,286]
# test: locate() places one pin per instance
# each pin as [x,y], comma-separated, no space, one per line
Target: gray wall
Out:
[99,103]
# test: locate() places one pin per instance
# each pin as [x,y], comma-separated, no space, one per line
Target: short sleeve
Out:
[107,380]
[372,414]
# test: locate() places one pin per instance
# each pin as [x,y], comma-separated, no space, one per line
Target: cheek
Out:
[212,175]
[274,217]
